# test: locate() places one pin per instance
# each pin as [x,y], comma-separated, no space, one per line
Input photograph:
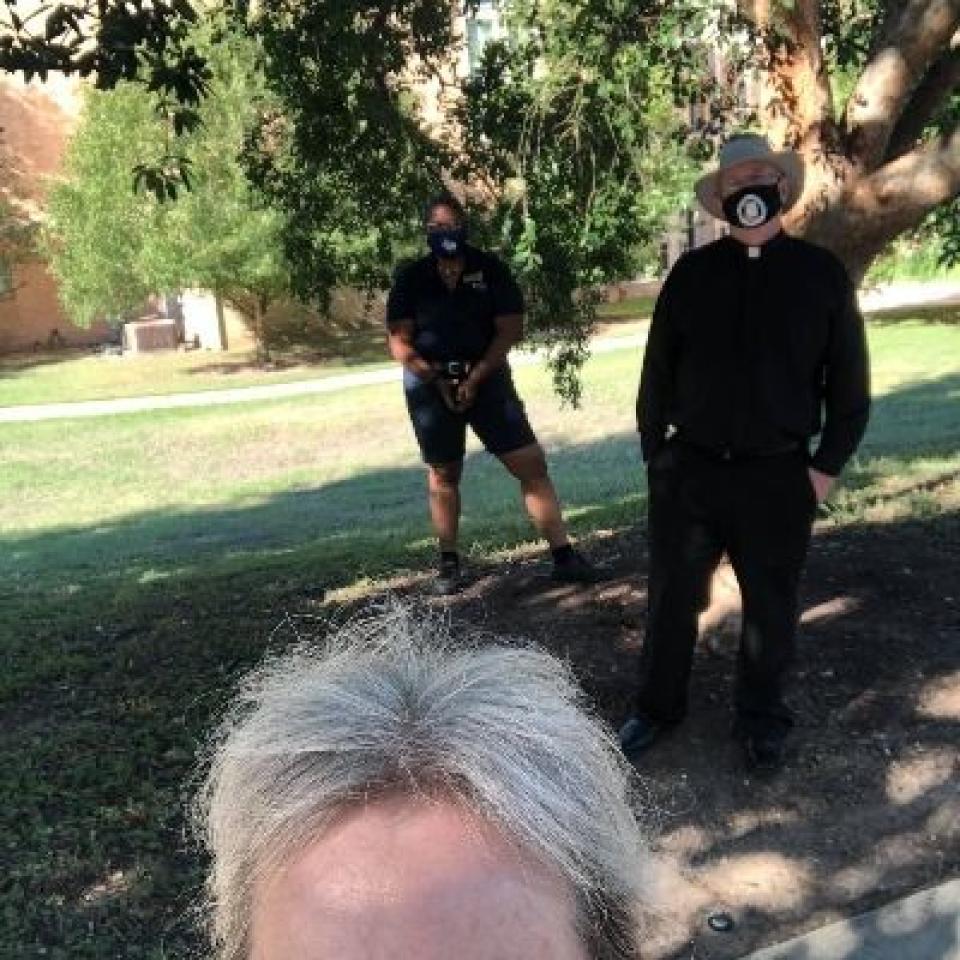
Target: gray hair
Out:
[390,704]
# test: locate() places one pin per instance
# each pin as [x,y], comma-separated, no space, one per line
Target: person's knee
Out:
[445,477]
[528,465]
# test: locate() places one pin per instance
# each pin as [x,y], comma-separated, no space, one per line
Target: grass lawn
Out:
[628,309]
[146,559]
[71,375]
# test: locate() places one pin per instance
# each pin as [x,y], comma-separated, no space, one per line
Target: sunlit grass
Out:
[338,477]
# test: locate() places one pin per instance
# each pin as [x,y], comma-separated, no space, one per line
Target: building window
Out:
[482,27]
[6,277]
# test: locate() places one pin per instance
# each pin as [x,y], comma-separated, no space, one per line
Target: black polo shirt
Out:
[454,324]
[746,353]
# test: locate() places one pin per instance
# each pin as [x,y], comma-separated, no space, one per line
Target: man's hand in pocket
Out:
[821,483]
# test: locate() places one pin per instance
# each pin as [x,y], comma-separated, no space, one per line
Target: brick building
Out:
[36,121]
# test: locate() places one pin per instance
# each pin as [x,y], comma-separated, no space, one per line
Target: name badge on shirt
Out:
[475,280]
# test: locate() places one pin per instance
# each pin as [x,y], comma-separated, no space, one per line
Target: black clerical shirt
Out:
[753,349]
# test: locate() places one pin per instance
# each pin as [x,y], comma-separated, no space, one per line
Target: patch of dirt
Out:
[867,808]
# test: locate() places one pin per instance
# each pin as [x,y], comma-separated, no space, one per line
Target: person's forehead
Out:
[425,879]
[441,213]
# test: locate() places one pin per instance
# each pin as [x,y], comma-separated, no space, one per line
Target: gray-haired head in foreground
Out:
[391,705]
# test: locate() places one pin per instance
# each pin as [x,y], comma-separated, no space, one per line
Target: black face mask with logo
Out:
[753,206]
[447,242]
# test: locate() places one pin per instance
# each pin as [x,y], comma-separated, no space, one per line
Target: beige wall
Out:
[32,312]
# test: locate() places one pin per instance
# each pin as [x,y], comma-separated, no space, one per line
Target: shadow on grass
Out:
[96,747]
[365,525]
[938,312]
[15,364]
[349,345]
[922,413]
[375,521]
[120,641]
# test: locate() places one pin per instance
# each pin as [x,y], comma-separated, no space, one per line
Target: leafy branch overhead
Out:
[549,139]
[110,41]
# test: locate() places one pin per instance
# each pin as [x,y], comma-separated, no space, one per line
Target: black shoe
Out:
[575,568]
[449,578]
[763,751]
[638,734]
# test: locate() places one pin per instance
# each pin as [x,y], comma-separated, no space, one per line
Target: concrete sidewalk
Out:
[29,413]
[888,297]
[924,926]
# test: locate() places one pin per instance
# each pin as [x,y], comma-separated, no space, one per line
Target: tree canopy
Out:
[110,246]
[109,42]
[560,139]
[567,137]
[18,229]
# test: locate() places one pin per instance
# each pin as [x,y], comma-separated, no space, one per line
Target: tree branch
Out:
[809,76]
[934,90]
[911,41]
[903,191]
[799,102]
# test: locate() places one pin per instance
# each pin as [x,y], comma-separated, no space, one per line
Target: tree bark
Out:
[909,44]
[260,304]
[873,210]
[928,98]
[868,176]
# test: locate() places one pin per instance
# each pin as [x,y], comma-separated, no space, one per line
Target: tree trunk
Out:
[867,177]
[260,305]
[867,211]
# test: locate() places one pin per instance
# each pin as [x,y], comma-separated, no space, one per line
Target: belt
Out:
[729,455]
[454,370]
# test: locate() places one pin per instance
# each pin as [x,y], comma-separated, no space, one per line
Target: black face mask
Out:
[447,243]
[753,206]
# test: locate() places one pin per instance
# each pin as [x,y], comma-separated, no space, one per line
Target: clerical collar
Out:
[755,251]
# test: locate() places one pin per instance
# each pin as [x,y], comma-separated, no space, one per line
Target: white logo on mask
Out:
[751,210]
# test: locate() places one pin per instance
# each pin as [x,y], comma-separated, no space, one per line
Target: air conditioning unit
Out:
[142,336]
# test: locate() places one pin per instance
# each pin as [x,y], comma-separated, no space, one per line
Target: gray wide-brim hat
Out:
[743,148]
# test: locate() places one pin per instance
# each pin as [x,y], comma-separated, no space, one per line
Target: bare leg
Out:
[443,482]
[529,466]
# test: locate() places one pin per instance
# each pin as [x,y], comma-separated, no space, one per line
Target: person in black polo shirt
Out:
[452,317]
[756,346]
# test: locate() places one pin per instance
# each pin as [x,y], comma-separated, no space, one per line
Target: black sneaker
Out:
[638,734]
[449,578]
[575,568]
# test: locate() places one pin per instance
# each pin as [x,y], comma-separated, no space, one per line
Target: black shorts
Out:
[497,417]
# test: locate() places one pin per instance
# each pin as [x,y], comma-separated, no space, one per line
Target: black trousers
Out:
[759,511]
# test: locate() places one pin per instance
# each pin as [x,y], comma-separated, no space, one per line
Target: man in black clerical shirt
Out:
[756,346]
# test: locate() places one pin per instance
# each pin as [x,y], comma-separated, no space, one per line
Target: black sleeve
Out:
[401,303]
[846,384]
[507,296]
[655,397]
